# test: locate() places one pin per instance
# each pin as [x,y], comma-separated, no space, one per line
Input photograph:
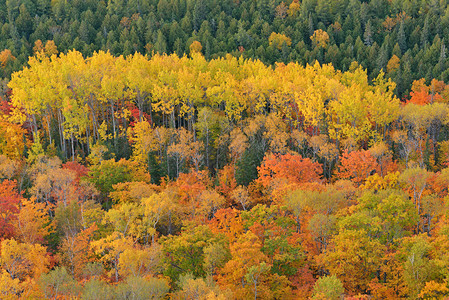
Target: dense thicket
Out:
[404,38]
[151,177]
[196,110]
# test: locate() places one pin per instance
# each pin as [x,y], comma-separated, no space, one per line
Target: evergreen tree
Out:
[402,38]
[442,58]
[368,35]
[382,58]
[311,27]
[246,170]
[160,45]
[199,14]
[425,33]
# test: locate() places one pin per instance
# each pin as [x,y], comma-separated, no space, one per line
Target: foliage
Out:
[277,160]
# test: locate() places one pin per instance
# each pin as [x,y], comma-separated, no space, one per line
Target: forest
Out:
[223,151]
[404,38]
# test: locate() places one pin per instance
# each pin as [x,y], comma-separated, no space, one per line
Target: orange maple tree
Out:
[9,207]
[294,168]
[357,166]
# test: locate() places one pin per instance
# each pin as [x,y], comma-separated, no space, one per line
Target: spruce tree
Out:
[402,38]
[368,35]
[425,33]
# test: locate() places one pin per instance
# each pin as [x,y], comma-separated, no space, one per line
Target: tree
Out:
[184,149]
[393,64]
[433,289]
[155,207]
[209,203]
[281,11]
[368,34]
[387,215]
[424,38]
[226,180]
[9,208]
[416,180]
[96,289]
[293,8]
[297,203]
[240,196]
[199,14]
[142,138]
[247,273]
[278,39]
[185,253]
[59,283]
[328,287]
[357,166]
[420,93]
[320,38]
[110,249]
[195,47]
[125,219]
[216,256]
[10,288]
[6,58]
[354,258]
[322,227]
[143,288]
[76,251]
[48,49]
[143,261]
[160,44]
[32,224]
[191,288]
[254,274]
[246,170]
[110,172]
[292,168]
[245,254]
[12,141]
[23,260]
[402,38]
[207,130]
[227,221]
[418,266]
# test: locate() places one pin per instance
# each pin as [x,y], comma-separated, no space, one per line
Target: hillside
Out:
[223,160]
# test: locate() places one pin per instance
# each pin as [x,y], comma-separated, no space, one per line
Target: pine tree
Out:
[368,35]
[311,27]
[160,45]
[402,38]
[425,33]
[382,59]
[199,14]
[442,59]
[246,170]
